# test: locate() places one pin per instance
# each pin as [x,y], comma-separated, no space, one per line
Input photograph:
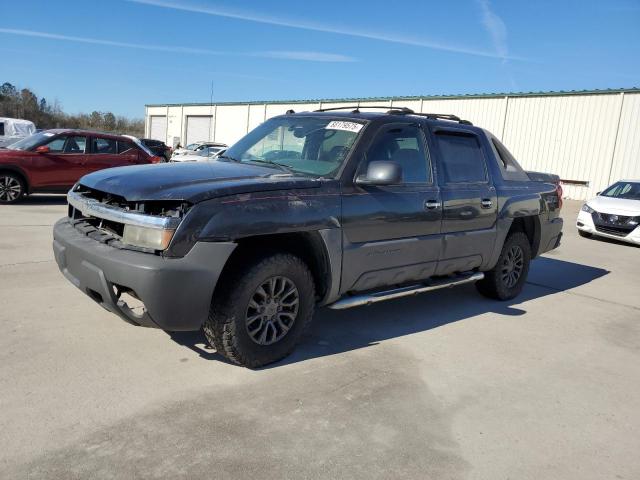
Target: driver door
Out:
[391,233]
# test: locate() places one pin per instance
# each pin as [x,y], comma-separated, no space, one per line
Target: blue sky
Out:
[118,55]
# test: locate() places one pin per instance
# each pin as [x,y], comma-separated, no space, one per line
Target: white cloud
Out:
[496,28]
[110,43]
[318,27]
[306,56]
[283,55]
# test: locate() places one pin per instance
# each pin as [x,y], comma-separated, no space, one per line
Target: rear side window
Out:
[509,167]
[124,147]
[462,159]
[1,128]
[104,145]
[75,144]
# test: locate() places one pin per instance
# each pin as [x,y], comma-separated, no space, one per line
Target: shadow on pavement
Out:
[339,331]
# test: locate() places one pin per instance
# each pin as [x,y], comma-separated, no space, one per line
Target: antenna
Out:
[210,111]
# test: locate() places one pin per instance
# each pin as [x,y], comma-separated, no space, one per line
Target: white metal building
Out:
[589,138]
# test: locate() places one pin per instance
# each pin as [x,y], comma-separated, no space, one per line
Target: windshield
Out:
[32,141]
[191,146]
[309,145]
[625,190]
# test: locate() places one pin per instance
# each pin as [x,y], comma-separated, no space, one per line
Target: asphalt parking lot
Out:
[444,385]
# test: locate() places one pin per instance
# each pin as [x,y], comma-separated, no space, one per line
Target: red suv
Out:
[52,161]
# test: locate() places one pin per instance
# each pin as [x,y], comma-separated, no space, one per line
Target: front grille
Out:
[104,218]
[611,219]
[617,231]
[86,227]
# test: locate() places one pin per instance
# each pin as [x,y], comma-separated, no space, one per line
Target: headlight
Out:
[587,208]
[155,238]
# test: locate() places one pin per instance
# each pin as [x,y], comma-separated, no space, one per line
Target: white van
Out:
[13,129]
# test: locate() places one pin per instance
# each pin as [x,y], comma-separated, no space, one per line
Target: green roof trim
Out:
[419,97]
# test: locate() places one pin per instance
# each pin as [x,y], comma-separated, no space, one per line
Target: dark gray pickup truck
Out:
[328,208]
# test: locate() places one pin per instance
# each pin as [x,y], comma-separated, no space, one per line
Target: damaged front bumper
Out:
[176,292]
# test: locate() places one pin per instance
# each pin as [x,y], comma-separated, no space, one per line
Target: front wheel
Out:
[262,310]
[506,280]
[12,188]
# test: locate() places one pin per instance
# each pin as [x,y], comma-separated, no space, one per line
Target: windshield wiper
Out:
[282,166]
[228,157]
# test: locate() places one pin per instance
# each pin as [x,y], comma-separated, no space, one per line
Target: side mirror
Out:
[42,149]
[598,193]
[381,173]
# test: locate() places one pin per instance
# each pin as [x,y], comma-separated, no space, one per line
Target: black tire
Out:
[12,188]
[228,326]
[584,234]
[499,282]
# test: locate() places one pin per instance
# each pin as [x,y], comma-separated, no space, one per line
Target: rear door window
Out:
[461,158]
[125,147]
[104,146]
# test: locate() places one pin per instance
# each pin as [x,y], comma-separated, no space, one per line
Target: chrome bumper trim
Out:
[94,208]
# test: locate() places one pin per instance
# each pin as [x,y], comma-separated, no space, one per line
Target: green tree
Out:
[96,121]
[109,121]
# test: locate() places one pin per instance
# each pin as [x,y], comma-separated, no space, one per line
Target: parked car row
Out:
[199,151]
[52,161]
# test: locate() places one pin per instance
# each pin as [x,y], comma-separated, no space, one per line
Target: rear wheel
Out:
[584,234]
[262,310]
[12,188]
[506,280]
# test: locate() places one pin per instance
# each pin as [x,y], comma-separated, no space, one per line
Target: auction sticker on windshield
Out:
[347,126]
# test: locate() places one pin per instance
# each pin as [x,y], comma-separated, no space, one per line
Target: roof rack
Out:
[354,108]
[401,111]
[433,116]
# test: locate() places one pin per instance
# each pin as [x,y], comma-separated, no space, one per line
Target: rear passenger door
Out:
[104,154]
[469,200]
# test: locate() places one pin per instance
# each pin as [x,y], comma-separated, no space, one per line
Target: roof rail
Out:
[401,111]
[433,116]
[445,116]
[354,108]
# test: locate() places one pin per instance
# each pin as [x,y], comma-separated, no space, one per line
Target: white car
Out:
[614,213]
[202,155]
[194,148]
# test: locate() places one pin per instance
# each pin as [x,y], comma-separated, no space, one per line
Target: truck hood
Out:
[192,182]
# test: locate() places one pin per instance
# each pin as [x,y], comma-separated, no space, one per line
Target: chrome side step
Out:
[369,298]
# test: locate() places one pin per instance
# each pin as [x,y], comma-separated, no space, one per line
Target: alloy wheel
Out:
[512,266]
[272,310]
[10,189]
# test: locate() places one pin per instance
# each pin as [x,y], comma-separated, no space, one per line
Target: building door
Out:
[158,128]
[198,129]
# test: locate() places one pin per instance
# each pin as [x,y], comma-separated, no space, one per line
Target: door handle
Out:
[486,203]
[431,204]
